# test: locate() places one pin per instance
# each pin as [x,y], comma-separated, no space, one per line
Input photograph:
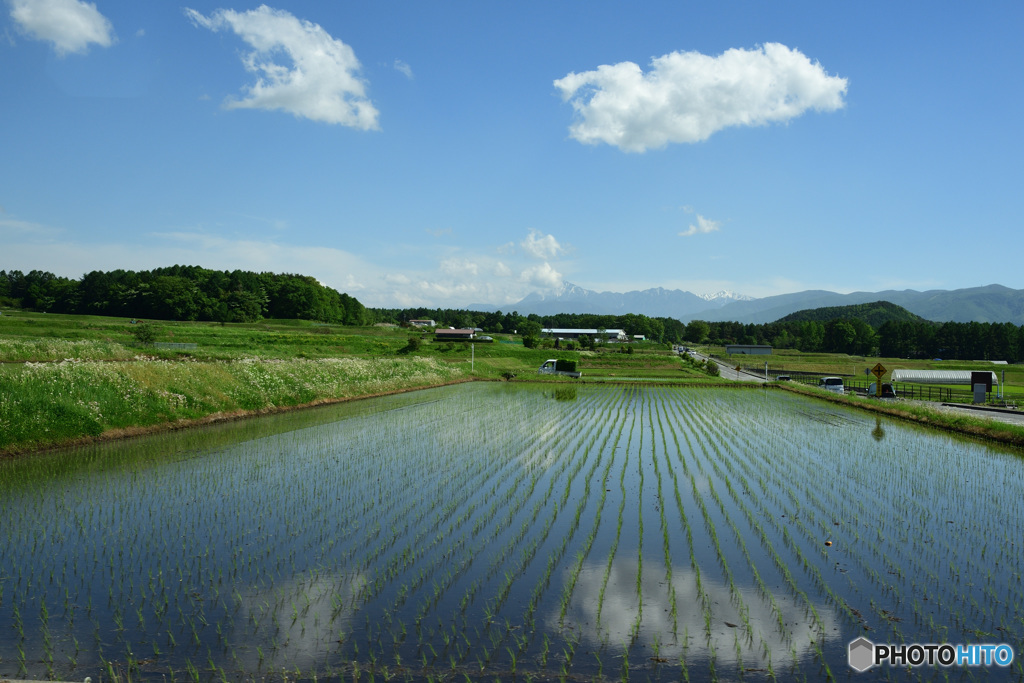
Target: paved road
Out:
[729,372]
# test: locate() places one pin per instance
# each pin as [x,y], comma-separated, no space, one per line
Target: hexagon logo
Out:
[861,654]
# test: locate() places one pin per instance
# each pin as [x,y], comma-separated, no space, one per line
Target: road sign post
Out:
[878,371]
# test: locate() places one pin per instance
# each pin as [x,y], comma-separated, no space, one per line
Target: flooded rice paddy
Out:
[494,531]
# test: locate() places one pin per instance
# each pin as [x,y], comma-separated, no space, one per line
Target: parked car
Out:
[834,384]
[887,390]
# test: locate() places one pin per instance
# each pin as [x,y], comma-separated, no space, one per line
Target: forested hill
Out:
[182,293]
[876,314]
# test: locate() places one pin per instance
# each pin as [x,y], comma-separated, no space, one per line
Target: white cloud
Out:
[397,279]
[543,276]
[322,82]
[71,25]
[403,68]
[539,245]
[457,266]
[689,96]
[704,225]
[440,232]
[501,270]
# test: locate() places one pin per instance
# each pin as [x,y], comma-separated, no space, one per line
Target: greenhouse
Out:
[938,376]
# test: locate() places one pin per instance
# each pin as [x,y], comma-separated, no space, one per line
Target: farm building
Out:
[423,323]
[751,349]
[453,334]
[576,333]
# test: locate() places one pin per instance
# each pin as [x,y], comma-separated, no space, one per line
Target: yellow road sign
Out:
[878,370]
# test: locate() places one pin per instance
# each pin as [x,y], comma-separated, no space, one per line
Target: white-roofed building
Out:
[577,332]
[938,376]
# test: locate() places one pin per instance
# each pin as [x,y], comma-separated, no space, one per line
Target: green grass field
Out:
[64,378]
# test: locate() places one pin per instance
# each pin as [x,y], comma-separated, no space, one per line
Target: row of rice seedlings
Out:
[522,642]
[492,609]
[555,555]
[618,526]
[839,601]
[812,569]
[682,456]
[429,536]
[588,544]
[659,411]
[921,561]
[715,439]
[666,545]
[780,565]
[440,587]
[719,465]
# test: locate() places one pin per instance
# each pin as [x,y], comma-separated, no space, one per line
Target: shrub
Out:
[712,368]
[143,333]
[412,345]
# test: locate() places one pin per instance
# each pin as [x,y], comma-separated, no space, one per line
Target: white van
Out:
[831,384]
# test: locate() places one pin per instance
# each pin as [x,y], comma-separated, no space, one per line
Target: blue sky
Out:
[450,153]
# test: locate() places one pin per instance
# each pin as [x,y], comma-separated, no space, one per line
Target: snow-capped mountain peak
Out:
[726,295]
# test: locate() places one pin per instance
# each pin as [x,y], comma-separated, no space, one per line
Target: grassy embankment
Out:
[65,378]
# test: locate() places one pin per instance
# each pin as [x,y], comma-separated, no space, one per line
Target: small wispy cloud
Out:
[703,226]
[404,69]
[440,232]
[10,227]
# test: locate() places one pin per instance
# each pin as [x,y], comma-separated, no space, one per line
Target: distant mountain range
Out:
[657,302]
[992,303]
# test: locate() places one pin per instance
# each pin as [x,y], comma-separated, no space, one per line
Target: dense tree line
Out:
[657,329]
[183,293]
[893,339]
[960,341]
